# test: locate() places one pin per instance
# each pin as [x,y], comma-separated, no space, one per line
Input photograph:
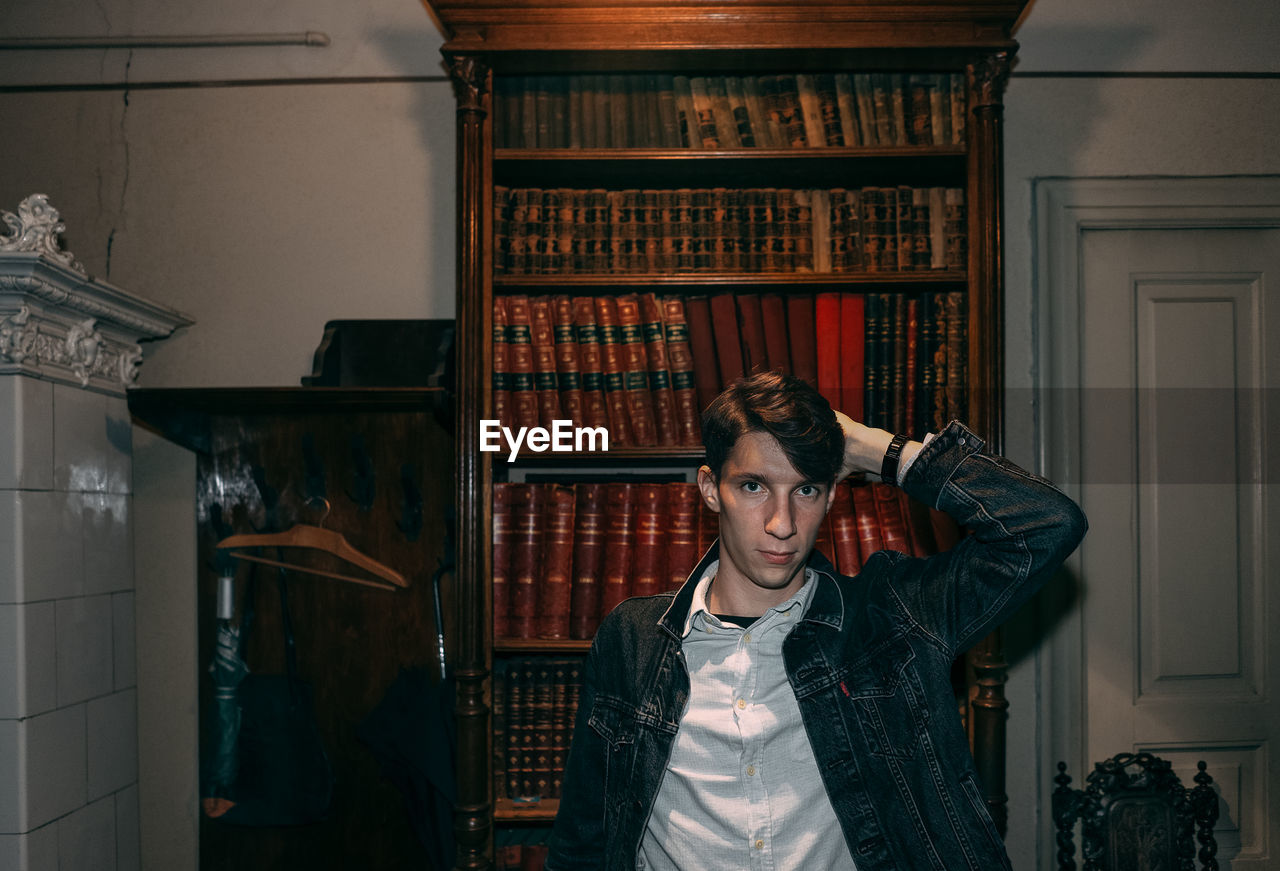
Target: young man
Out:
[772,714]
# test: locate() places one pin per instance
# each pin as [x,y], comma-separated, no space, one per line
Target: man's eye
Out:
[808,490]
[751,486]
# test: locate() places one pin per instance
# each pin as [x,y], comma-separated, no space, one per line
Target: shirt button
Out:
[751,770]
[742,703]
[747,637]
[961,440]
[759,845]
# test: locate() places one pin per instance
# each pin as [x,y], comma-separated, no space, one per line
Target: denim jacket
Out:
[870,665]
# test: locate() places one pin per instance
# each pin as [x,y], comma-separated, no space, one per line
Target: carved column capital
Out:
[470,76]
[988,76]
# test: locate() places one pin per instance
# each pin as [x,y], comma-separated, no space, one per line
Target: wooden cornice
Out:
[518,27]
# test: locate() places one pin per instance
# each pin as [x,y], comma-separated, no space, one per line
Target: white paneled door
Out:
[1172,431]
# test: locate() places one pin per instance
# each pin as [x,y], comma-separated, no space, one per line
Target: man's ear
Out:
[708,485]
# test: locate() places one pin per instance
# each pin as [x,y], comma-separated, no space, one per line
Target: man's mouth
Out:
[777,558]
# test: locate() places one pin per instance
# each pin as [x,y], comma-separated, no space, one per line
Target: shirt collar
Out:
[698,607]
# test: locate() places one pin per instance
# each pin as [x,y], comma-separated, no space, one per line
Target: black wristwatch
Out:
[889,468]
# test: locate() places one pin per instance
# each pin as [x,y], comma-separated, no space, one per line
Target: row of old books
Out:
[549,231]
[643,367]
[565,555]
[535,701]
[728,112]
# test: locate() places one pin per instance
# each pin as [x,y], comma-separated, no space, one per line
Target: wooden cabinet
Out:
[495,51]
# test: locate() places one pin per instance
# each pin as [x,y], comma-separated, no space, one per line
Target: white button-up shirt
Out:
[742,788]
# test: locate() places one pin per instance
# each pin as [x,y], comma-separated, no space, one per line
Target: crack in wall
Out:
[124,184]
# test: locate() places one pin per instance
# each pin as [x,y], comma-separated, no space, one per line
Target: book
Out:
[544,363]
[848,110]
[590,361]
[524,401]
[829,109]
[527,502]
[724,319]
[639,402]
[828,345]
[683,503]
[959,108]
[864,98]
[811,111]
[588,556]
[755,354]
[864,511]
[503,534]
[686,115]
[893,528]
[502,411]
[614,368]
[765,132]
[801,332]
[702,346]
[722,111]
[844,531]
[919,109]
[708,134]
[668,114]
[649,563]
[619,544]
[554,594]
[568,367]
[684,386]
[740,112]
[790,112]
[853,355]
[659,371]
[517,711]
[774,312]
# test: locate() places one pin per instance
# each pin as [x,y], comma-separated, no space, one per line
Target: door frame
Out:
[1064,209]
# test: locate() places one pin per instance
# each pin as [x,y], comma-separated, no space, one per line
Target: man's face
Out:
[769,517]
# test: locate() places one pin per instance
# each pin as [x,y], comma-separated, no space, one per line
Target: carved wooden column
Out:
[987,78]
[473,810]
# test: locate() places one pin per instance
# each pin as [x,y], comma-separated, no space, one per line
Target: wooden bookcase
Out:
[491,44]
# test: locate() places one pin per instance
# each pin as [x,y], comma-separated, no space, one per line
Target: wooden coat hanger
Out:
[310,537]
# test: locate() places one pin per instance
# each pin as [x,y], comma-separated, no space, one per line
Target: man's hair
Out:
[785,407]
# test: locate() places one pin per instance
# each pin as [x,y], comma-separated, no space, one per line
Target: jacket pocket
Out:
[969,785]
[615,722]
[887,700]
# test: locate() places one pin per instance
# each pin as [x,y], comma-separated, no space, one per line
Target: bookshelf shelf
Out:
[495,51]
[541,645]
[508,811]
[706,281]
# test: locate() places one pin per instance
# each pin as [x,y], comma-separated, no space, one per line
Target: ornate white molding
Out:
[59,323]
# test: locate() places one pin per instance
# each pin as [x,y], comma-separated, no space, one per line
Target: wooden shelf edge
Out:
[638,154]
[763,279]
[544,810]
[542,645]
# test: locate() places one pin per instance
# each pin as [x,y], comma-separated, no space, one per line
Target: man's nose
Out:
[782,523]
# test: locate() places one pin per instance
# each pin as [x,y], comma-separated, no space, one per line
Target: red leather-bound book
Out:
[619,544]
[827,317]
[864,512]
[755,352]
[724,321]
[568,367]
[683,500]
[588,559]
[774,312]
[896,341]
[533,857]
[635,371]
[893,525]
[524,401]
[502,535]
[844,531]
[702,345]
[649,562]
[526,558]
[659,364]
[615,387]
[852,355]
[544,363]
[683,382]
[502,411]
[825,543]
[557,563]
[803,334]
[594,411]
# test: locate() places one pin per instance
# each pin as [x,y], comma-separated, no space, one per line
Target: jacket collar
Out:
[825,608]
